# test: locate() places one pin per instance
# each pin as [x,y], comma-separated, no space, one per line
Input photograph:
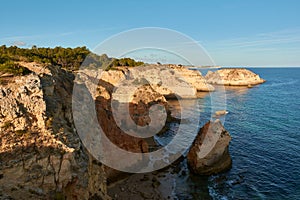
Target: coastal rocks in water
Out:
[209,153]
[233,77]
[221,112]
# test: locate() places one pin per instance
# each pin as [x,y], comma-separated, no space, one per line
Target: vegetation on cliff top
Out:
[67,58]
[9,67]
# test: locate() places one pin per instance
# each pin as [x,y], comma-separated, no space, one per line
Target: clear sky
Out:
[234,32]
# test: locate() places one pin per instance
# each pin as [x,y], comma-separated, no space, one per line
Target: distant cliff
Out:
[233,77]
[67,58]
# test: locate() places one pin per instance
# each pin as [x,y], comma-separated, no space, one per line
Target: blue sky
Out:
[234,32]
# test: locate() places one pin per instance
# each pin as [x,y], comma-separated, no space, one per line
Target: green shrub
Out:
[67,58]
[12,68]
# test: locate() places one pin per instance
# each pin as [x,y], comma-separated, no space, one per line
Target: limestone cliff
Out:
[194,77]
[169,80]
[41,156]
[233,77]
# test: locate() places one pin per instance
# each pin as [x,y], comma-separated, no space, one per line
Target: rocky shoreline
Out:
[42,156]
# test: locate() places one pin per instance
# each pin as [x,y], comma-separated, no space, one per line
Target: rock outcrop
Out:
[193,77]
[233,77]
[169,80]
[220,112]
[121,112]
[164,80]
[41,155]
[209,152]
[113,77]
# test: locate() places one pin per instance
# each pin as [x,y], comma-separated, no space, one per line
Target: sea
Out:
[264,123]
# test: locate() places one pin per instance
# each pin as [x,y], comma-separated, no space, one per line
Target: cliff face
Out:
[194,77]
[120,113]
[41,155]
[169,80]
[233,77]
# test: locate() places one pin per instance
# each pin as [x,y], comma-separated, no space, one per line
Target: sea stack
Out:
[209,153]
[233,77]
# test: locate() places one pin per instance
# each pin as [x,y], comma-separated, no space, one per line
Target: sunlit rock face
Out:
[169,80]
[209,152]
[194,78]
[233,77]
[41,155]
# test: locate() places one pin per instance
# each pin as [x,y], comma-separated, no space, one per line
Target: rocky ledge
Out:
[233,77]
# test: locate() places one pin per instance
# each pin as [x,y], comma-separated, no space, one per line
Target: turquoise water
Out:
[264,122]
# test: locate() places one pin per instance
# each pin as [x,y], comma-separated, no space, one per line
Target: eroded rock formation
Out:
[209,152]
[194,77]
[233,77]
[169,80]
[41,155]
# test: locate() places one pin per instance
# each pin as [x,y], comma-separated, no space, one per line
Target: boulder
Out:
[209,152]
[233,77]
[221,112]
